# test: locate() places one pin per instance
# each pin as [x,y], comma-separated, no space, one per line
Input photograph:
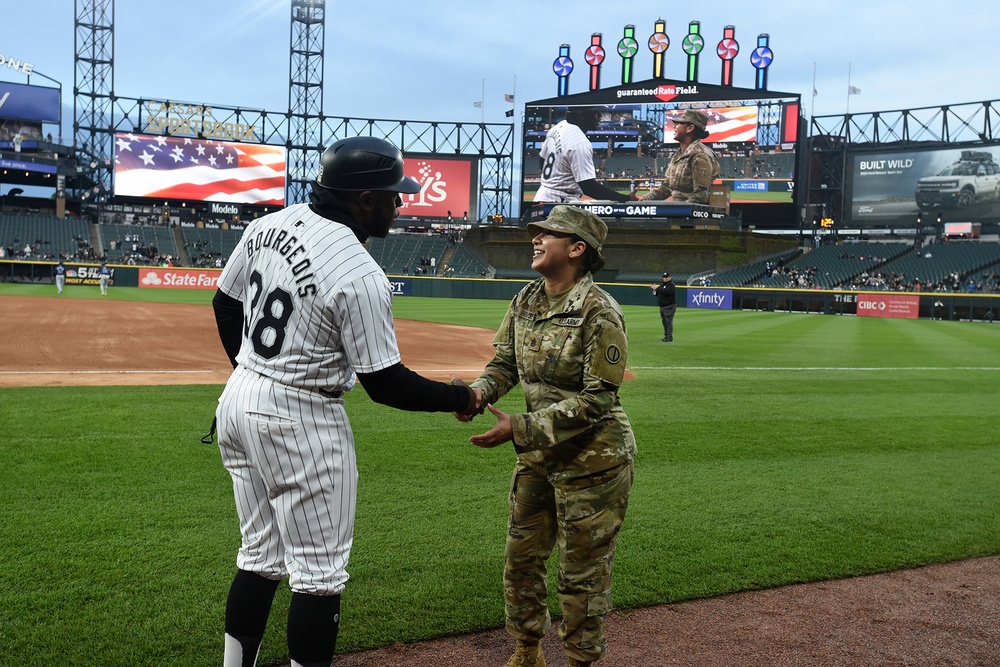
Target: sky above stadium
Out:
[436,60]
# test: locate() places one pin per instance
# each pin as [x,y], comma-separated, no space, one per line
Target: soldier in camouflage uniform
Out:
[564,340]
[693,167]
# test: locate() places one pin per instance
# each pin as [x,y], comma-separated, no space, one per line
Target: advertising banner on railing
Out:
[170,278]
[718,299]
[84,274]
[401,287]
[889,305]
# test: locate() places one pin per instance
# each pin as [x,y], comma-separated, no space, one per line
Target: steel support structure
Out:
[834,139]
[93,93]
[305,96]
[304,129]
[492,144]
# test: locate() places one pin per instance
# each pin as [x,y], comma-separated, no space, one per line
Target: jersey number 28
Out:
[268,323]
[547,167]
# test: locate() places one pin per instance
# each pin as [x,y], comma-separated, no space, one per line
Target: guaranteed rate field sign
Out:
[903,306]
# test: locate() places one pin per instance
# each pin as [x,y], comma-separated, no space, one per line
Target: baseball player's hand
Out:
[502,432]
[475,406]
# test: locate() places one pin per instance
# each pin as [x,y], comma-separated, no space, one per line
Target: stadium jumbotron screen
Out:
[165,167]
[754,133]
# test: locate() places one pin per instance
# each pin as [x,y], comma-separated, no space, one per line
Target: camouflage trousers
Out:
[582,515]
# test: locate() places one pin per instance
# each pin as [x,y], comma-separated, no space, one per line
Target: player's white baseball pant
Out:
[290,453]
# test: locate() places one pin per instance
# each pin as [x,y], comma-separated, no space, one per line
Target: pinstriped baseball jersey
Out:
[567,159]
[319,307]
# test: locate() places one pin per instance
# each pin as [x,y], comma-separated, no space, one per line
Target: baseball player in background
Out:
[60,271]
[105,278]
[302,309]
[567,157]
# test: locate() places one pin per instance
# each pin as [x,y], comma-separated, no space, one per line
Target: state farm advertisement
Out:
[447,185]
[889,305]
[169,278]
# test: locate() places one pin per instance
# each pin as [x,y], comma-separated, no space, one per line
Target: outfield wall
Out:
[954,305]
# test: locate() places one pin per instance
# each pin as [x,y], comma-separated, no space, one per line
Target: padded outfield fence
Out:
[953,305]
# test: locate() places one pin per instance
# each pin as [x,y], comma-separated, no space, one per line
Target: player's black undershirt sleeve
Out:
[399,387]
[593,189]
[229,320]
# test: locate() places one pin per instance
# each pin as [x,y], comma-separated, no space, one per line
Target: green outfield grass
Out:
[773,449]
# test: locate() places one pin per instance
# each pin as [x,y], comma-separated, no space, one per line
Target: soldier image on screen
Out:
[693,168]
[567,157]
[302,309]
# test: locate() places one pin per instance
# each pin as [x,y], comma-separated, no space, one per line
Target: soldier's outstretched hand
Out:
[502,432]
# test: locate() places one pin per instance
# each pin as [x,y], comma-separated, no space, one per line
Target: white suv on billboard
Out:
[974,178]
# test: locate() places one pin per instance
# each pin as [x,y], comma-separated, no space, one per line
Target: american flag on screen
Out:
[736,124]
[163,167]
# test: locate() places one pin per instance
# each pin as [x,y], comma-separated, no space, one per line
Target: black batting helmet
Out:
[364,163]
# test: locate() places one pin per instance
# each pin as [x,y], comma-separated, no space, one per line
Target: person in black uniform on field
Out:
[666,296]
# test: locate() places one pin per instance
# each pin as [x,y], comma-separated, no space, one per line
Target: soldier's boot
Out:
[573,662]
[527,655]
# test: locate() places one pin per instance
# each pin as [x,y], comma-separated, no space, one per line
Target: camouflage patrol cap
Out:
[696,118]
[572,220]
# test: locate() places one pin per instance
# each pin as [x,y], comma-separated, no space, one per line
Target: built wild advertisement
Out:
[904,188]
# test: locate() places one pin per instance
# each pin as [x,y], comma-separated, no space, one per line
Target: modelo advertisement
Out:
[446,187]
[718,299]
[894,188]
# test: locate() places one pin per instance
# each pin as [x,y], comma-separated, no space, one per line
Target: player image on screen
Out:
[567,156]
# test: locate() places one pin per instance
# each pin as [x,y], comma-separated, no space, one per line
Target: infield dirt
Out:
[56,342]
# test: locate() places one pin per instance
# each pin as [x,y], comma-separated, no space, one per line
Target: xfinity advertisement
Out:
[717,299]
[895,188]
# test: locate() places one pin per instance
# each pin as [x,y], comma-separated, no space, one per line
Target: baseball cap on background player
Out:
[364,163]
[571,220]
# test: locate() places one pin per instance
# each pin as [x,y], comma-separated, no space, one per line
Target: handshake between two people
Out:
[502,432]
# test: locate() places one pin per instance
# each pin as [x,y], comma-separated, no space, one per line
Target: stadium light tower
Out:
[305,97]
[93,85]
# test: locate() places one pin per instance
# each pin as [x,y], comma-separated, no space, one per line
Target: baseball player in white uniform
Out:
[301,309]
[567,157]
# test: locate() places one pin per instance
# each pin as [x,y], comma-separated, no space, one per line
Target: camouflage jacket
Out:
[570,361]
[689,175]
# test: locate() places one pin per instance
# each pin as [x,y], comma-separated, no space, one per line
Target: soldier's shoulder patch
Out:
[610,355]
[613,354]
